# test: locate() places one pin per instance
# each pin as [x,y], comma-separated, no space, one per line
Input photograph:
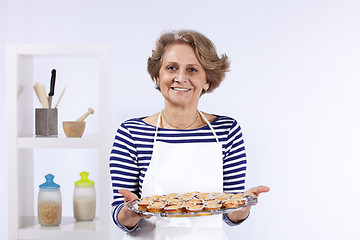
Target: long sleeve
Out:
[124,170]
[234,164]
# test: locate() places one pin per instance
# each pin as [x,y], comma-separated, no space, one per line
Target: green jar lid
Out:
[84,181]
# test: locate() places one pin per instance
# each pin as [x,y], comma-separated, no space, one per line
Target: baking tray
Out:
[249,201]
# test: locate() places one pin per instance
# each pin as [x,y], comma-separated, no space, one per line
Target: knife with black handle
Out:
[52,86]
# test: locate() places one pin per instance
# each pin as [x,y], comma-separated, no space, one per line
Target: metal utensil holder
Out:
[46,122]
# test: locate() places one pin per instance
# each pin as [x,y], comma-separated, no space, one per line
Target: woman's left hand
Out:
[240,215]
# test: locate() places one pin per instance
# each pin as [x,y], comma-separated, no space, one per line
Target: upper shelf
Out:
[58,142]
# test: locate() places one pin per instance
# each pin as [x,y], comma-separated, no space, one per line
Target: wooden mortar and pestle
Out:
[76,128]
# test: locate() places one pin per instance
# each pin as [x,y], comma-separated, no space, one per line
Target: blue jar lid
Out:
[49,184]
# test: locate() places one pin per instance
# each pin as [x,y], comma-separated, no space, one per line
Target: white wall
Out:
[294,87]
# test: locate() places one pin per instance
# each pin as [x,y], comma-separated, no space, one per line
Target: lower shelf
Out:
[68,229]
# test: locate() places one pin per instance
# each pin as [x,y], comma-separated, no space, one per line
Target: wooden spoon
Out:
[40,92]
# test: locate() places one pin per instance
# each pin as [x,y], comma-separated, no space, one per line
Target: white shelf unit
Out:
[21,144]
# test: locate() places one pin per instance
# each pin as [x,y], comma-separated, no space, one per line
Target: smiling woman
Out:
[181,78]
[204,50]
[184,66]
[180,149]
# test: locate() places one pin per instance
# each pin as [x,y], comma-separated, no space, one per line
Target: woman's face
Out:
[181,77]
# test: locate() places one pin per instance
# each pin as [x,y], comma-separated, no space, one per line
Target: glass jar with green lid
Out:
[84,202]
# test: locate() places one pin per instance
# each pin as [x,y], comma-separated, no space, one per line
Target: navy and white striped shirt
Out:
[133,146]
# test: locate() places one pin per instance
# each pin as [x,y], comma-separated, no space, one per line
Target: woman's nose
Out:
[181,78]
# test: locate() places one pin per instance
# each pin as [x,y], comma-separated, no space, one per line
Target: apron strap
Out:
[202,115]
[208,123]
[157,126]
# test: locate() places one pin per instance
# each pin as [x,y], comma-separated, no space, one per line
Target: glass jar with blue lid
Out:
[49,202]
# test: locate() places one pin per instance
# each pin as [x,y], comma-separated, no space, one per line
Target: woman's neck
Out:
[181,118]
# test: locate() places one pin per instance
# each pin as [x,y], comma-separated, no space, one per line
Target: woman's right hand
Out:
[127,217]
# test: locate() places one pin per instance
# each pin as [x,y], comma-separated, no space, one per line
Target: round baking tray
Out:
[133,206]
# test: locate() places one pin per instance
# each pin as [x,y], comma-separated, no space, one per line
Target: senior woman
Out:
[179,149]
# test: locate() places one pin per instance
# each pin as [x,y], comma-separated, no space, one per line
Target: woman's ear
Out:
[158,83]
[206,87]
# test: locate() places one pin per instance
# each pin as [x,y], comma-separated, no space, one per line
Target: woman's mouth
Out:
[180,89]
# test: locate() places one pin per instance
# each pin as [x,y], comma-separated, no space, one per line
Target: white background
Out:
[294,87]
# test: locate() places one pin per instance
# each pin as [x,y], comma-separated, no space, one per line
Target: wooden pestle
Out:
[82,118]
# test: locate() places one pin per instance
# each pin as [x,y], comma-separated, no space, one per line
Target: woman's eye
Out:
[171,68]
[192,70]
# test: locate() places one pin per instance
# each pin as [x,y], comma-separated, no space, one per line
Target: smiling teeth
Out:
[181,89]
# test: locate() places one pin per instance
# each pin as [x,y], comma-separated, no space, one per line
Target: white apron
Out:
[180,168]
